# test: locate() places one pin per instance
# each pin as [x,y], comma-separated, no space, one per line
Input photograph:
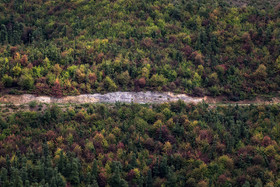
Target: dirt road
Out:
[127,97]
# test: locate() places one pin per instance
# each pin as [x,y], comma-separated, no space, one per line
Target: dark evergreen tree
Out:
[246,184]
[163,168]
[3,176]
[116,179]
[149,180]
[23,174]
[74,176]
[171,178]
[3,34]
[133,161]
[8,164]
[156,169]
[53,182]
[61,162]
[59,180]
[94,171]
[17,181]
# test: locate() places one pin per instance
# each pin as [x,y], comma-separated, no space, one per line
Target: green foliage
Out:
[74,173]
[32,104]
[220,47]
[123,79]
[3,34]
[7,80]
[109,84]
[199,47]
[158,80]
[26,82]
[16,71]
[130,146]
[116,179]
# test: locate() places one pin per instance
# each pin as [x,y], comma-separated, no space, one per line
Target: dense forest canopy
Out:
[198,47]
[136,145]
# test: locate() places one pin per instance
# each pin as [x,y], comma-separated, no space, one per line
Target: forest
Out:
[171,144]
[217,48]
[197,47]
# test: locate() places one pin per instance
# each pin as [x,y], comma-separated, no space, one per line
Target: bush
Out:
[26,82]
[123,78]
[158,80]
[32,104]
[109,84]
[7,80]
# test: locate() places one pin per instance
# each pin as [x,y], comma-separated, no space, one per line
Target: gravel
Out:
[123,97]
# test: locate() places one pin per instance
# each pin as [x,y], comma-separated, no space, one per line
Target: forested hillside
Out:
[198,47]
[134,145]
[227,48]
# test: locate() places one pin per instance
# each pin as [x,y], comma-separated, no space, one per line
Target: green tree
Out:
[246,184]
[261,73]
[171,178]
[3,34]
[258,184]
[16,70]
[60,181]
[26,82]
[94,171]
[24,174]
[196,80]
[116,179]
[149,179]
[18,181]
[74,175]
[133,161]
[61,162]
[123,78]
[109,84]
[7,80]
[3,176]
[158,80]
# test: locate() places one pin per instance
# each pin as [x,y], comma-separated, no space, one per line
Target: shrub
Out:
[109,84]
[26,82]
[32,104]
[7,80]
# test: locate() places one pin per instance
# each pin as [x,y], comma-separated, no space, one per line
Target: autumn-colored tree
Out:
[56,89]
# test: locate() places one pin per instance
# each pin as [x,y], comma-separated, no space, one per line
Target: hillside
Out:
[133,145]
[148,93]
[255,3]
[194,47]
